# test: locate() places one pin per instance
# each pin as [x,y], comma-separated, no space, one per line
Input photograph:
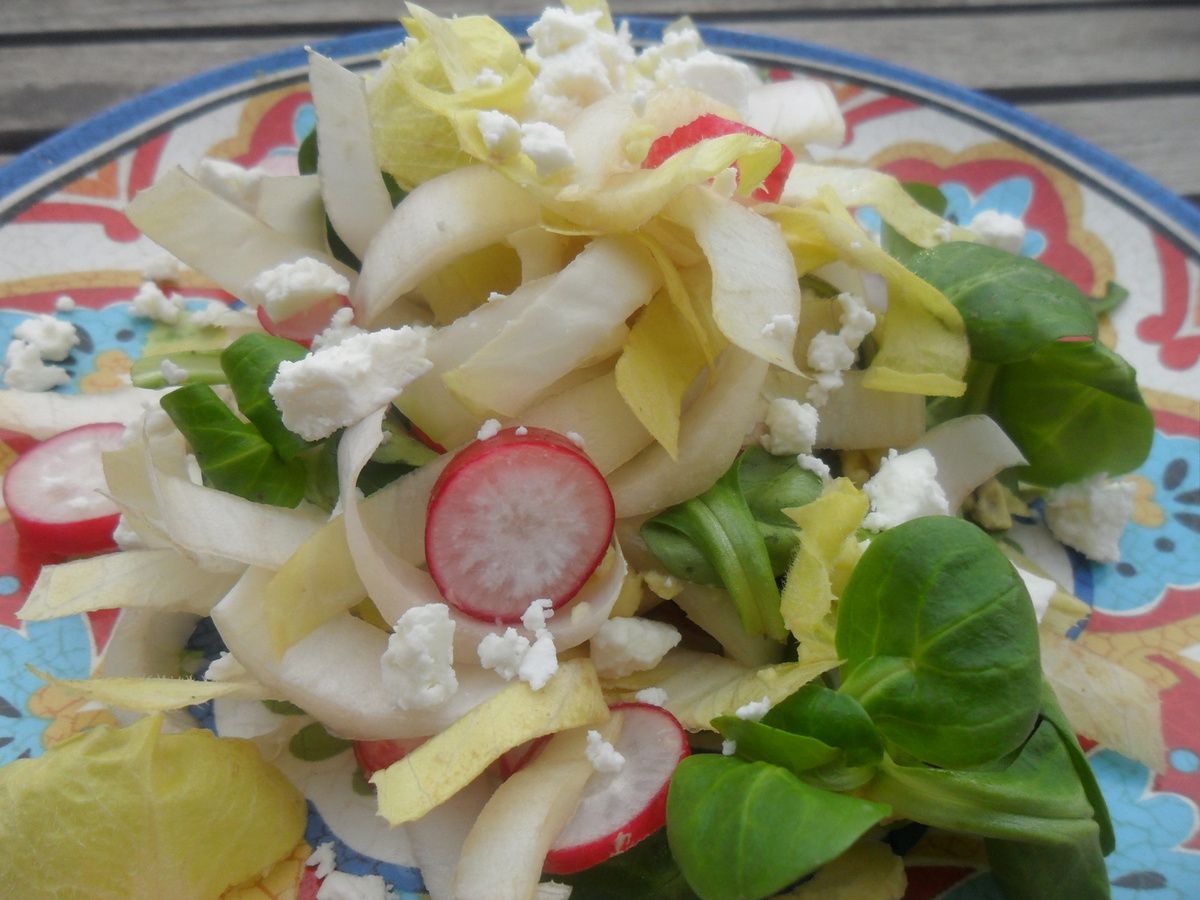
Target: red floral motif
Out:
[1047,211]
[872,110]
[274,129]
[1177,350]
[109,197]
[1181,731]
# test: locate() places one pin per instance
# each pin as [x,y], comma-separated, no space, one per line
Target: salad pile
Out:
[575,452]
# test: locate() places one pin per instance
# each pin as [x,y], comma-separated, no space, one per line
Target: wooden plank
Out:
[39,92]
[31,16]
[1157,135]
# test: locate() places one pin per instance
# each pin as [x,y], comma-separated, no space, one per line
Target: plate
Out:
[1088,216]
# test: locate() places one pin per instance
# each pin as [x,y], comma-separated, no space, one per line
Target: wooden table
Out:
[1123,75]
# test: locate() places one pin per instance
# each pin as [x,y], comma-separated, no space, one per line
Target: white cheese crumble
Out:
[791,427]
[488,77]
[576,438]
[540,661]
[546,145]
[728,748]
[52,337]
[161,267]
[501,133]
[999,230]
[339,385]
[418,664]
[488,430]
[64,303]
[292,287]
[783,325]
[235,183]
[344,886]
[944,232]
[322,859]
[172,373]
[1091,516]
[521,431]
[151,303]
[576,63]
[535,616]
[904,488]
[754,710]
[829,355]
[630,644]
[682,60]
[24,369]
[814,464]
[1041,591]
[655,696]
[502,653]
[340,327]
[602,755]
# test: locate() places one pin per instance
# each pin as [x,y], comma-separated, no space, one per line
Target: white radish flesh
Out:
[53,492]
[619,809]
[515,518]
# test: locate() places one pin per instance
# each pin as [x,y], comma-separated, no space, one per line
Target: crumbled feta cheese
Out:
[540,662]
[24,369]
[754,710]
[215,314]
[224,668]
[52,337]
[418,665]
[344,886]
[1041,591]
[783,325]
[322,859]
[856,319]
[521,431]
[602,755]
[235,183]
[501,133]
[576,63]
[340,327]
[151,303]
[64,303]
[535,616]
[502,653]
[126,538]
[488,77]
[944,232]
[639,102]
[171,373]
[791,427]
[339,385]
[161,267]
[999,230]
[829,353]
[663,585]
[1091,516]
[292,287]
[623,645]
[682,60]
[655,696]
[904,488]
[814,464]
[488,430]
[576,438]
[728,748]
[546,145]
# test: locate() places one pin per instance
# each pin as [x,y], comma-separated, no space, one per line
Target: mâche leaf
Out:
[233,456]
[940,643]
[250,364]
[748,829]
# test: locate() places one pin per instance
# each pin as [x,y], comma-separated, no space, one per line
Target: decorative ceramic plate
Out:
[1090,217]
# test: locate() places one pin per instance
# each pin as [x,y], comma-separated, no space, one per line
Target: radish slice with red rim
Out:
[621,808]
[520,516]
[305,325]
[53,491]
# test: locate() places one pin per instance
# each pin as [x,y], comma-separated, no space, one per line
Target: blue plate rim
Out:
[42,168]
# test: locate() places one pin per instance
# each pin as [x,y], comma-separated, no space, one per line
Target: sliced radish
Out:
[53,491]
[375,755]
[620,809]
[305,325]
[710,126]
[517,517]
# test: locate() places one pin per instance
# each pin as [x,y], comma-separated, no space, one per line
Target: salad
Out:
[576,455]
